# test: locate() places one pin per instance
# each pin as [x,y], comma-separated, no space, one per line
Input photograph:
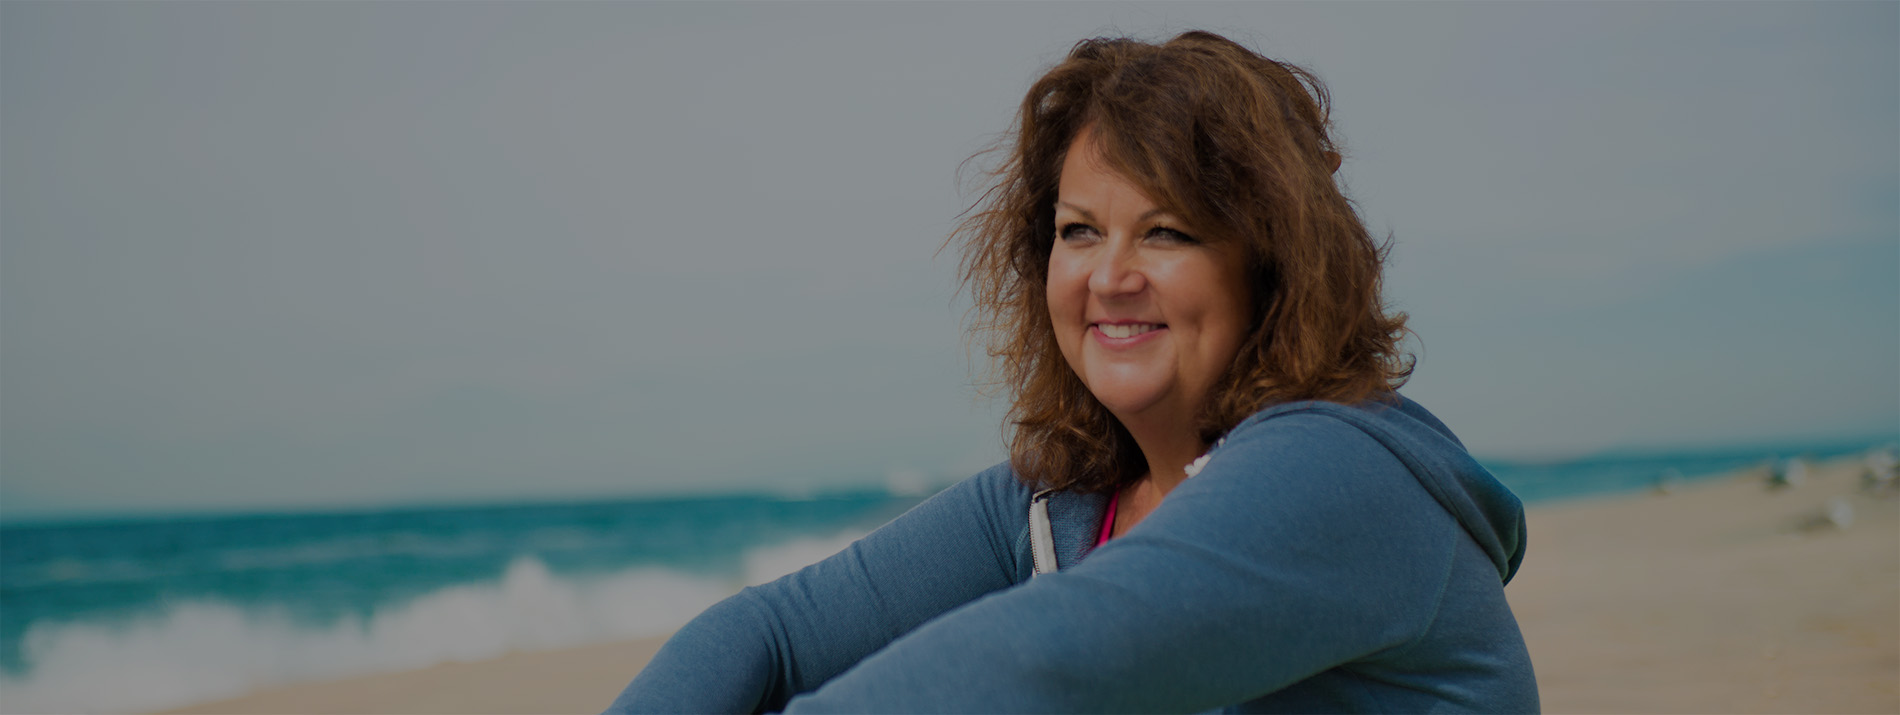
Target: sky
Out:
[314,255]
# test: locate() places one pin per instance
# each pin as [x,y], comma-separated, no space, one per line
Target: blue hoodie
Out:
[1327,558]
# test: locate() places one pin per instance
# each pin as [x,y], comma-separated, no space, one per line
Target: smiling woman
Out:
[1215,496]
[1147,316]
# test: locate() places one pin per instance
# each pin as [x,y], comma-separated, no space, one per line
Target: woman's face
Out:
[1146,315]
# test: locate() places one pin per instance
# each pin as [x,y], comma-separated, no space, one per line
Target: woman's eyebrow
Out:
[1089,216]
[1086,214]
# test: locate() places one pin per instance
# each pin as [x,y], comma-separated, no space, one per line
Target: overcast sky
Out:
[317,254]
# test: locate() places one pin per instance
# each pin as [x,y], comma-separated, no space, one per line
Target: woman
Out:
[1239,509]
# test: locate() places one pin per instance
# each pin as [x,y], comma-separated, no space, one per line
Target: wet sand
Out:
[1720,597]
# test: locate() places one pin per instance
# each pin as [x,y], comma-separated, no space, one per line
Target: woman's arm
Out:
[1300,546]
[754,651]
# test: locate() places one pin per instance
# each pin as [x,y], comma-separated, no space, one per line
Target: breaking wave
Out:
[200,650]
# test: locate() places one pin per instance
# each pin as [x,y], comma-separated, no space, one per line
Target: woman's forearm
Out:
[758,649]
[720,662]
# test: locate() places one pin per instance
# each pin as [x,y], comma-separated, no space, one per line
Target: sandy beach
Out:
[1720,596]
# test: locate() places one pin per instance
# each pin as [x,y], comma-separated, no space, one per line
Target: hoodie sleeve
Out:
[755,650]
[1302,544]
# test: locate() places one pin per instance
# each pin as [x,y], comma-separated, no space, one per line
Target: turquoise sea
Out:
[134,614]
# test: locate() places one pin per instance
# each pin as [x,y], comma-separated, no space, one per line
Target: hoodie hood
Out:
[1488,511]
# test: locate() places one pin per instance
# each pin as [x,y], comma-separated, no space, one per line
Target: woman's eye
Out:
[1073,231]
[1171,235]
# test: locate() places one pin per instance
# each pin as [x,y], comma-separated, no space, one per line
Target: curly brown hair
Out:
[1235,144]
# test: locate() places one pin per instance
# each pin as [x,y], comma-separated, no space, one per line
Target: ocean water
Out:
[132,615]
[129,615]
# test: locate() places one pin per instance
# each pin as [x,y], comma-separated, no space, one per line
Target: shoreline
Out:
[581,679]
[1721,596]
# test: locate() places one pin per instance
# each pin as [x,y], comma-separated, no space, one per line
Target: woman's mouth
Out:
[1127,330]
[1120,336]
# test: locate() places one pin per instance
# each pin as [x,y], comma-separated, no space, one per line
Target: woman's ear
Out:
[1332,157]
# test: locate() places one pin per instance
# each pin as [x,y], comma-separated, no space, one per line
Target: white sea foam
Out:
[204,650]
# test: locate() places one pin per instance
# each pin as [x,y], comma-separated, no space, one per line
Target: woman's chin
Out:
[1128,402]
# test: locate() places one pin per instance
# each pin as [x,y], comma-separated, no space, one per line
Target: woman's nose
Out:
[1117,272]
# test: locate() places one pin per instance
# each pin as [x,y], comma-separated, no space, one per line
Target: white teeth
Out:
[1125,331]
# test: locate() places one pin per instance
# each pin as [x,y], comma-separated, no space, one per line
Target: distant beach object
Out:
[1667,481]
[1878,471]
[1787,473]
[1836,516]
[1840,513]
[905,481]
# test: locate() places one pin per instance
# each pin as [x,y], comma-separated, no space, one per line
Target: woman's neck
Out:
[1168,446]
[1168,453]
